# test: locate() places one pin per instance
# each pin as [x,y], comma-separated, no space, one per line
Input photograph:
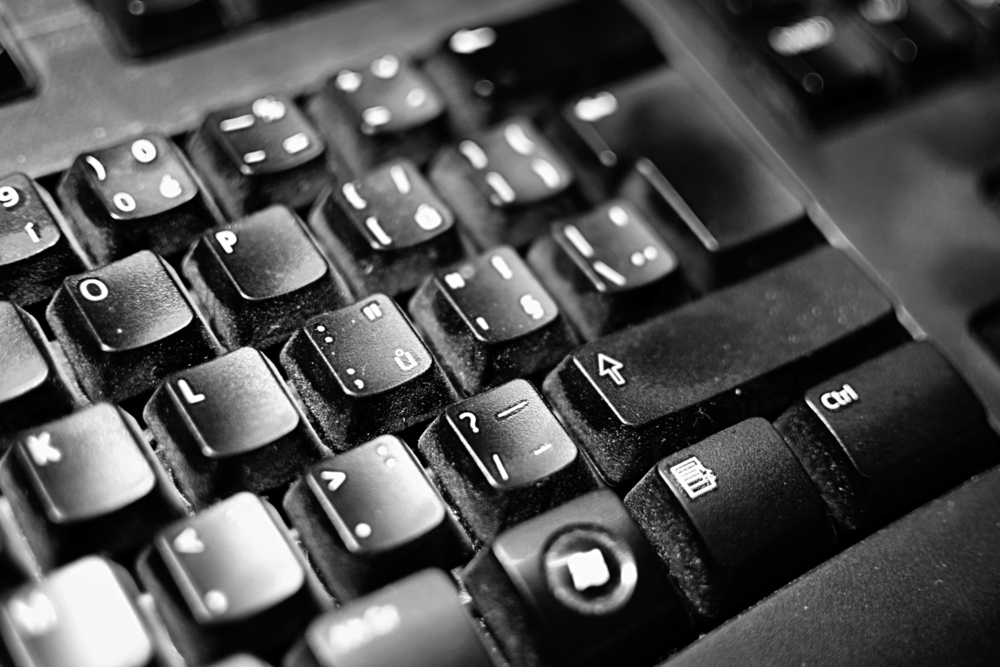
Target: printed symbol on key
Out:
[188,542]
[9,197]
[404,360]
[334,479]
[34,614]
[694,478]
[41,449]
[606,366]
[835,400]
[532,307]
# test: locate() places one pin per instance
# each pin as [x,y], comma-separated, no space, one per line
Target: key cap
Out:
[33,387]
[387,230]
[125,326]
[370,516]
[261,278]
[635,396]
[418,622]
[728,215]
[733,517]
[490,321]
[85,614]
[502,457]
[230,425]
[828,62]
[137,195]
[36,251]
[378,111]
[577,585]
[985,12]
[925,37]
[363,371]
[607,268]
[884,436]
[148,26]
[260,153]
[231,579]
[505,184]
[240,660]
[87,483]
[16,78]
[17,564]
[483,71]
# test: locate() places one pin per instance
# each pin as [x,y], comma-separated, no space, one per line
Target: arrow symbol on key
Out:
[188,542]
[333,478]
[611,368]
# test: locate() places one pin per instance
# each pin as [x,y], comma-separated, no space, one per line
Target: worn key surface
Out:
[637,395]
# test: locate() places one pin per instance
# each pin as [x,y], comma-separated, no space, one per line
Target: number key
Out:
[260,153]
[503,457]
[490,321]
[36,252]
[140,194]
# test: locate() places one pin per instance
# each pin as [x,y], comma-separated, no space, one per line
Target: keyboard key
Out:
[505,184]
[387,230]
[16,78]
[378,111]
[728,214]
[484,70]
[87,483]
[36,252]
[418,622]
[882,437]
[490,321]
[924,36]
[370,516]
[607,269]
[148,26]
[17,564]
[637,395]
[231,579]
[828,61]
[260,153]
[240,660]
[137,195]
[85,614]
[502,457]
[733,517]
[363,371]
[578,586]
[230,425]
[261,278]
[33,387]
[127,325]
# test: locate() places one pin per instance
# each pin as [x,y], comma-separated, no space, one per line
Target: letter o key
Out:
[93,289]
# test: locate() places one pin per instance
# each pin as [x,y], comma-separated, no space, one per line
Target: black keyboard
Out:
[456,334]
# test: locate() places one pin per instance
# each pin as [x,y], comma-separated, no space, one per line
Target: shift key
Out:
[746,351]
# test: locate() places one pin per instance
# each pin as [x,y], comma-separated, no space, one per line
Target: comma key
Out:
[634,396]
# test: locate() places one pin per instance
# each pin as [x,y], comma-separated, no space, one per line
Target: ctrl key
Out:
[578,585]
[418,622]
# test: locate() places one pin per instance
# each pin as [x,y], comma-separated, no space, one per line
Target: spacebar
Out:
[923,591]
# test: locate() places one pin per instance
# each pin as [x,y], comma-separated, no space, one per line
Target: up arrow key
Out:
[333,478]
[610,367]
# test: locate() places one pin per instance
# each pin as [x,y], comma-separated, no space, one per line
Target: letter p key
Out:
[227,240]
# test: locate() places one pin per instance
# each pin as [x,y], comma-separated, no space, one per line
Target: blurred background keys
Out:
[36,252]
[260,153]
[485,71]
[578,585]
[137,195]
[262,277]
[883,437]
[418,622]
[85,614]
[632,397]
[729,215]
[33,387]
[127,325]
[505,184]
[380,110]
[230,425]
[490,321]
[387,230]
[87,483]
[733,517]
[370,516]
[502,457]
[363,371]
[607,268]
[142,27]
[231,579]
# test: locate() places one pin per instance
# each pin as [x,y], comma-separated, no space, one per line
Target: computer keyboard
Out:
[550,333]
